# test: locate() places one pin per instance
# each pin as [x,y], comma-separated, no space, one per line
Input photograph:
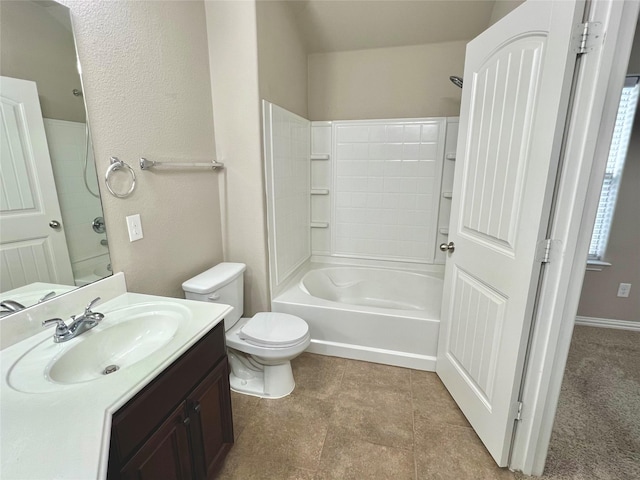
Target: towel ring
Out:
[117,164]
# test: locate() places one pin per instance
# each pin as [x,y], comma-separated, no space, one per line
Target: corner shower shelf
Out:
[319,191]
[451,156]
[447,194]
[320,156]
[319,225]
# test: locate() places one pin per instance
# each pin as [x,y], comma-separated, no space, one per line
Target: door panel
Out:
[30,250]
[476,321]
[517,82]
[500,129]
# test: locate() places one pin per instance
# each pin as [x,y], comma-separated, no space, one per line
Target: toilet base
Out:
[269,381]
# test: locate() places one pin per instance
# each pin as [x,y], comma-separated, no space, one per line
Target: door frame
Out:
[587,141]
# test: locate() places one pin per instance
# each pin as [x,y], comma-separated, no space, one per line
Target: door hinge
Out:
[586,37]
[519,413]
[543,252]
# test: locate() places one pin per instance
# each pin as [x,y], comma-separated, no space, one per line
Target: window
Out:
[615,164]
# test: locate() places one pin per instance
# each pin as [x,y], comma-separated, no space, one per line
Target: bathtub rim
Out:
[293,298]
[290,295]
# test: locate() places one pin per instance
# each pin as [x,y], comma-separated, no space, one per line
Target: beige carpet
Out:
[597,431]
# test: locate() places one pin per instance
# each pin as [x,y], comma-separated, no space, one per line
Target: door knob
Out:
[447,247]
[54,224]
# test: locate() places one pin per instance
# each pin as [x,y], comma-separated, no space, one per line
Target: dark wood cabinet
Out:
[164,455]
[179,426]
[211,435]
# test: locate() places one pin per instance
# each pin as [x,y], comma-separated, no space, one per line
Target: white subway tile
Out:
[392,185]
[360,151]
[377,133]
[425,187]
[411,151]
[352,134]
[390,200]
[374,200]
[395,133]
[375,168]
[406,201]
[410,169]
[411,133]
[430,133]
[393,151]
[409,185]
[377,151]
[375,185]
[358,200]
[426,168]
[392,168]
[344,151]
[343,199]
[428,151]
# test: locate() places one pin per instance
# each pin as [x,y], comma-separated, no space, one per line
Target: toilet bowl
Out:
[260,348]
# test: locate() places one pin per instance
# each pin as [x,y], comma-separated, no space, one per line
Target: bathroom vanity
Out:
[179,426]
[165,412]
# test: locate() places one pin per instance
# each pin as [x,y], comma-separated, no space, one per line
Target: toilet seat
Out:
[274,330]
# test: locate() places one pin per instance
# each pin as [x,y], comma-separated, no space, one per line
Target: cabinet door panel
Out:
[133,422]
[165,455]
[212,429]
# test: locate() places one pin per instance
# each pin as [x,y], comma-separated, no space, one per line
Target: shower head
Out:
[457,81]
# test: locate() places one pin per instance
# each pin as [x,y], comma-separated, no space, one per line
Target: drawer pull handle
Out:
[197,408]
[186,421]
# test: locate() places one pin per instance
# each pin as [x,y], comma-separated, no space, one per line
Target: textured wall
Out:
[48,58]
[598,298]
[146,82]
[400,82]
[599,289]
[234,83]
[282,59]
[502,8]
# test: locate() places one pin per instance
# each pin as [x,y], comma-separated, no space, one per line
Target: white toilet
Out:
[260,348]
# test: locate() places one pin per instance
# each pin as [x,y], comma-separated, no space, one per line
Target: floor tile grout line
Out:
[413,427]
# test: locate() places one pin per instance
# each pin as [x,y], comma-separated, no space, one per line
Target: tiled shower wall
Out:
[384,179]
[287,145]
[66,142]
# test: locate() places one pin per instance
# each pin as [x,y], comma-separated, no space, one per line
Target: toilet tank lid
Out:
[214,278]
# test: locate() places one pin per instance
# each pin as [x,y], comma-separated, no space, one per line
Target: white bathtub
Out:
[91,270]
[373,314]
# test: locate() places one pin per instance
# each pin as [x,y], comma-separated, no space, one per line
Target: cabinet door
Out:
[209,408]
[165,455]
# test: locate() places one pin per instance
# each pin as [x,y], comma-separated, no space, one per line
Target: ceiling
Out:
[340,25]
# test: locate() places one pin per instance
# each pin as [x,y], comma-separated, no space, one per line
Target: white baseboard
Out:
[609,323]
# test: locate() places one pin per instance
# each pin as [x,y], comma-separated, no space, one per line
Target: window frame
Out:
[614,171]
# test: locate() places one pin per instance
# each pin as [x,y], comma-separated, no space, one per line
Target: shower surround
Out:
[367,201]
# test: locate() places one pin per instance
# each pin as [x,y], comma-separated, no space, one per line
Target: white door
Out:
[517,81]
[30,249]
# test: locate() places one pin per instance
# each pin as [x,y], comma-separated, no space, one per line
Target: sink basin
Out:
[124,338]
[120,346]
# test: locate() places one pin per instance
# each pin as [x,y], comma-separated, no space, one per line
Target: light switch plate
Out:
[134,225]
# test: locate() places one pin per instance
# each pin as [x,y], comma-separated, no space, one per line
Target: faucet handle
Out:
[87,309]
[61,327]
[47,296]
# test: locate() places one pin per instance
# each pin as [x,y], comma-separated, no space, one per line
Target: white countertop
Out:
[64,433]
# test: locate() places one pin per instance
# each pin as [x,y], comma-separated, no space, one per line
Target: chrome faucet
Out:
[79,324]
[10,306]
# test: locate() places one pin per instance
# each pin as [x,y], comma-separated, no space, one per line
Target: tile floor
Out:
[356,420]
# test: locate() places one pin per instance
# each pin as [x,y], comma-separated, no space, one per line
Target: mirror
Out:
[52,233]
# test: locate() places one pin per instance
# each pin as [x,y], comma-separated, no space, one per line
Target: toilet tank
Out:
[220,284]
